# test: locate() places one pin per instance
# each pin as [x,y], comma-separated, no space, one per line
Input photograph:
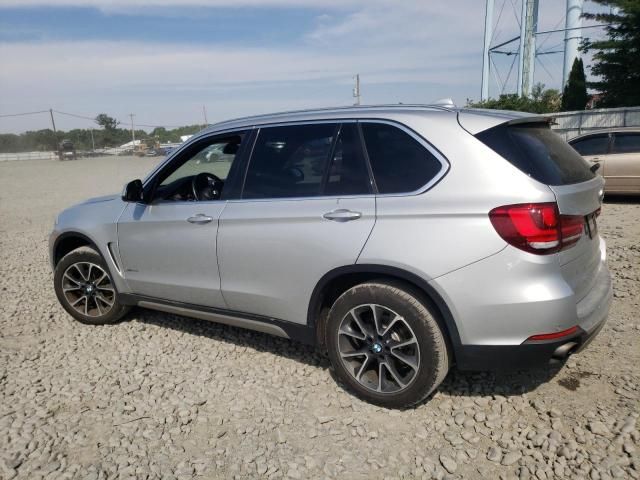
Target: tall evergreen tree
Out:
[617,58]
[575,95]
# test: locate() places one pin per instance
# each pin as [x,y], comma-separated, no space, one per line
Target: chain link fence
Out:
[571,124]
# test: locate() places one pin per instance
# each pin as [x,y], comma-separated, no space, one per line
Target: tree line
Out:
[106,134]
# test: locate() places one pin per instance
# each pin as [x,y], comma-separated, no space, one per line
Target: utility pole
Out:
[356,89]
[488,33]
[204,113]
[55,132]
[93,144]
[133,132]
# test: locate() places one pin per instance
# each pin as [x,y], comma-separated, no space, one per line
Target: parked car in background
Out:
[617,150]
[66,150]
[401,239]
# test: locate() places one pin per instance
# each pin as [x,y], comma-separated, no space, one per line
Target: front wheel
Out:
[85,289]
[386,345]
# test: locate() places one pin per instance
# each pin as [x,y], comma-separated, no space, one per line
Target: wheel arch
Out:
[69,241]
[340,279]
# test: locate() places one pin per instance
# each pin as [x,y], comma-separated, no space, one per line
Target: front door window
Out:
[201,174]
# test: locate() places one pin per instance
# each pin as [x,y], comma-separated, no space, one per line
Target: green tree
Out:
[10,142]
[160,133]
[616,59]
[107,122]
[541,101]
[575,95]
[110,125]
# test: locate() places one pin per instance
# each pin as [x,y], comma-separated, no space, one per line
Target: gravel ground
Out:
[160,396]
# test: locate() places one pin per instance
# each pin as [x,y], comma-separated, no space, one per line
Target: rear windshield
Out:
[538,152]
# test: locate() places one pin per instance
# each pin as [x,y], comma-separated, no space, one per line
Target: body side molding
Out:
[259,323]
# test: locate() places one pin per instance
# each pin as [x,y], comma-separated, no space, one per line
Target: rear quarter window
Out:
[400,164]
[538,152]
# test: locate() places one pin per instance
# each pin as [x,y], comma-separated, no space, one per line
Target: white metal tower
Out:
[572,36]
[527,51]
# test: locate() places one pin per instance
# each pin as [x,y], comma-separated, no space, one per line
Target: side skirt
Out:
[249,321]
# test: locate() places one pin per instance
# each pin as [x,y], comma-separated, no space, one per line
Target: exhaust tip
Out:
[563,351]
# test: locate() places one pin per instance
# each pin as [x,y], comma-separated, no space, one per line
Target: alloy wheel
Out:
[88,289]
[378,348]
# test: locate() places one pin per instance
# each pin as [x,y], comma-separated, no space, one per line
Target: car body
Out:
[617,150]
[410,209]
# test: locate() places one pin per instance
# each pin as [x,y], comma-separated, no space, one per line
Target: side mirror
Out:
[133,191]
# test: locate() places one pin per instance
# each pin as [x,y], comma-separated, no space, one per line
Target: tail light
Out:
[553,336]
[537,227]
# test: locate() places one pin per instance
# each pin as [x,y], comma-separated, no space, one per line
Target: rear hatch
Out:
[531,146]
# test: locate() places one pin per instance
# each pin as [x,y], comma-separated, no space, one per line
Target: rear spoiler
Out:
[475,121]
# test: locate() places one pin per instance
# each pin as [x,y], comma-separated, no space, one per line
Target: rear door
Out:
[307,207]
[623,164]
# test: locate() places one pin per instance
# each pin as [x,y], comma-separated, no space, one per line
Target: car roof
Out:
[601,131]
[482,119]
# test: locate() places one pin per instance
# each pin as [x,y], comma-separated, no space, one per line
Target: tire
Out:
[84,273]
[406,344]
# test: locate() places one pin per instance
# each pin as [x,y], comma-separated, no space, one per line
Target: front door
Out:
[168,246]
[307,207]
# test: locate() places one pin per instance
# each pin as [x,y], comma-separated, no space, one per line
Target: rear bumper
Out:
[524,356]
[592,315]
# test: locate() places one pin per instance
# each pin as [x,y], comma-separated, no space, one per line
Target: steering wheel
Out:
[206,186]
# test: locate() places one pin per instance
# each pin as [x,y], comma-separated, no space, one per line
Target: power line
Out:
[75,115]
[575,28]
[93,119]
[21,114]
[158,126]
[562,19]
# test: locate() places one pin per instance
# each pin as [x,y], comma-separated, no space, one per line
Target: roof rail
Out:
[449,106]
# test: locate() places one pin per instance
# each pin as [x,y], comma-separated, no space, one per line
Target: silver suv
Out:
[401,239]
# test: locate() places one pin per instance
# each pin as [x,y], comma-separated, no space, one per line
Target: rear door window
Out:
[324,159]
[399,162]
[595,145]
[289,161]
[348,173]
[537,151]
[626,143]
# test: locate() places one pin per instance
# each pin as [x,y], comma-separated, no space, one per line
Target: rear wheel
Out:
[85,289]
[386,345]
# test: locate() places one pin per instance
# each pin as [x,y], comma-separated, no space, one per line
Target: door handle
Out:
[200,218]
[342,215]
